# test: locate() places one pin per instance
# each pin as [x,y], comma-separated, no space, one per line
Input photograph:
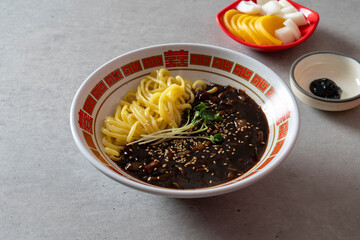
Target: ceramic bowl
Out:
[343,70]
[311,16]
[99,95]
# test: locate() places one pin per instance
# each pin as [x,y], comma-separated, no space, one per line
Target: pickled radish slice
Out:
[284,3]
[263,40]
[247,29]
[249,7]
[262,2]
[297,17]
[270,8]
[227,20]
[267,25]
[238,32]
[285,35]
[286,10]
[245,34]
[293,27]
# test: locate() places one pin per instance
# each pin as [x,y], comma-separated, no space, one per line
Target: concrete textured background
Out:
[48,190]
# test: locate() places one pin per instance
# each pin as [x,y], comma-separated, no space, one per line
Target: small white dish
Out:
[341,69]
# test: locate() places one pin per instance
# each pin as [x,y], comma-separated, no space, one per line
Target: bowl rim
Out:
[303,91]
[270,47]
[186,193]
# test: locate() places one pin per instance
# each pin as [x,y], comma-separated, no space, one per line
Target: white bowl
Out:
[343,70]
[99,95]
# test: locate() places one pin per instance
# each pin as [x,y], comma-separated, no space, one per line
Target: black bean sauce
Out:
[197,163]
[325,88]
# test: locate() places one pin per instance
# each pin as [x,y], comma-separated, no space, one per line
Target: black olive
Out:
[325,88]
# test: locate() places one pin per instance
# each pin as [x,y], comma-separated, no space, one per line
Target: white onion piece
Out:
[270,8]
[284,3]
[293,27]
[249,7]
[262,2]
[285,35]
[279,14]
[297,17]
[290,9]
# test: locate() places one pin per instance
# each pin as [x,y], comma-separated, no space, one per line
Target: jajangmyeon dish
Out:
[177,133]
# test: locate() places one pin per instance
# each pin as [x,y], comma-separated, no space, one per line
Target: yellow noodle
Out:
[107,143]
[199,84]
[157,104]
[213,90]
[132,131]
[112,151]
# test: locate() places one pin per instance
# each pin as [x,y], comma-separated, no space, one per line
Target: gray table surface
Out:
[48,190]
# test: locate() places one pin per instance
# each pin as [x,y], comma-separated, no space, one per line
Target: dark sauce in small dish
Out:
[191,163]
[325,88]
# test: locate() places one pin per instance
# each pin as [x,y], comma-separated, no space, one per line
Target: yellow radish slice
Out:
[260,36]
[246,28]
[233,22]
[245,35]
[227,20]
[267,26]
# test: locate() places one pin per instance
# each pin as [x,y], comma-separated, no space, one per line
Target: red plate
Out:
[311,16]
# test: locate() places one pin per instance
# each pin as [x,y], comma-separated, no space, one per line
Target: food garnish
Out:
[201,114]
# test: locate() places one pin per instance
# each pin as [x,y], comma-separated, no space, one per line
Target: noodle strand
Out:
[157,104]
